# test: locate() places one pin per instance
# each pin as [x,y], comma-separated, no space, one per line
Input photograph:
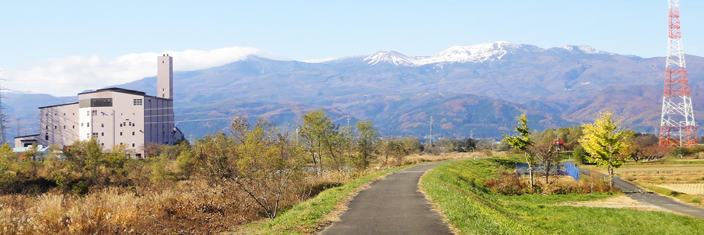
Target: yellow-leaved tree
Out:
[606,146]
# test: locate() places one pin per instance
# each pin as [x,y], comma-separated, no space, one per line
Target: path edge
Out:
[342,206]
[432,202]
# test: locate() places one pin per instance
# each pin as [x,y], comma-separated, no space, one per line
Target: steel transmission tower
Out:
[3,117]
[677,127]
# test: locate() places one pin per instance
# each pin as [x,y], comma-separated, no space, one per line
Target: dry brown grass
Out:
[695,189]
[419,158]
[190,207]
[671,177]
[662,174]
[621,202]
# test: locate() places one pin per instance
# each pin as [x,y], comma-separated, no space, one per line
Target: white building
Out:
[113,116]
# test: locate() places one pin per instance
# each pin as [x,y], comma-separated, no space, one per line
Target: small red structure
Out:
[561,143]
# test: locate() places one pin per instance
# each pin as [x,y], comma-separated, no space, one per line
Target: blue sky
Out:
[39,34]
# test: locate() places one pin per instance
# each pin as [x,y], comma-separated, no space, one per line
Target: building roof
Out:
[57,105]
[116,89]
[25,136]
[40,149]
[161,98]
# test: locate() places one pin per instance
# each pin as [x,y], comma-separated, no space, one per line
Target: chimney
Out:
[165,77]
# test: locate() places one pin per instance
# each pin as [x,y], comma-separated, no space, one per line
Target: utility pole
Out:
[471,134]
[431,131]
[677,126]
[3,117]
[348,120]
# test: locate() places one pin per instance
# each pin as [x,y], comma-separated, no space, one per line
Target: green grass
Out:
[472,208]
[306,217]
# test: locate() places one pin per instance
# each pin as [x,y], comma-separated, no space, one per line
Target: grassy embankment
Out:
[308,216]
[457,188]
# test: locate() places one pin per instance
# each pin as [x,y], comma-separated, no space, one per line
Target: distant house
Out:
[42,153]
[113,116]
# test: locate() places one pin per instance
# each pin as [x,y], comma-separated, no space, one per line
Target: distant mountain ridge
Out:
[470,54]
[466,88]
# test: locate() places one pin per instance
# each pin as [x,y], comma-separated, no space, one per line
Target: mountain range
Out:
[468,90]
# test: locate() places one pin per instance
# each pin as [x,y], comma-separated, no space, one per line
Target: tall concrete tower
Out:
[165,77]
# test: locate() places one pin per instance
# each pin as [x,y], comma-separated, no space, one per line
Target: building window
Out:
[64,114]
[130,123]
[133,133]
[74,126]
[120,124]
[64,127]
[87,112]
[95,112]
[132,144]
[88,124]
[102,144]
[88,135]
[102,125]
[47,127]
[81,124]
[95,134]
[120,133]
[102,133]
[55,127]
[137,101]
[46,137]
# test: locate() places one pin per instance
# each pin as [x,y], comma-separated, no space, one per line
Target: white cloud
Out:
[70,75]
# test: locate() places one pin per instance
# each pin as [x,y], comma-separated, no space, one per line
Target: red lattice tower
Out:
[677,127]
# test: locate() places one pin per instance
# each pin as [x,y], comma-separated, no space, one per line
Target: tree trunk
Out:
[547,173]
[611,176]
[530,170]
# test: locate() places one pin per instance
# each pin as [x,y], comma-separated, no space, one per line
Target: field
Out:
[665,173]
[695,189]
[679,178]
[471,208]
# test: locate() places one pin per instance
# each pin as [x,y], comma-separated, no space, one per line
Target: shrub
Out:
[80,188]
[507,184]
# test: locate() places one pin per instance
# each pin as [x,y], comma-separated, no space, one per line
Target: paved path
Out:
[653,199]
[392,205]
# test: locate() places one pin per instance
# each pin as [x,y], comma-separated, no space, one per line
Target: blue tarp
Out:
[572,170]
[555,169]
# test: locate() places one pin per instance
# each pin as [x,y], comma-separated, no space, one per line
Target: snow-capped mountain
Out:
[390,57]
[469,54]
[585,50]
[477,53]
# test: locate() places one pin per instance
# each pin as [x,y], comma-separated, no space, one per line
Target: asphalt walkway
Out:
[649,198]
[392,205]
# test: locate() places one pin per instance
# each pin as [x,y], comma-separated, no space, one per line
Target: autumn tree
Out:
[322,139]
[606,146]
[265,164]
[366,143]
[8,168]
[546,153]
[259,160]
[522,142]
[645,147]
